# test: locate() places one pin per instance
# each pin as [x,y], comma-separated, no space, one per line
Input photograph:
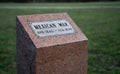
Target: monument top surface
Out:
[51,29]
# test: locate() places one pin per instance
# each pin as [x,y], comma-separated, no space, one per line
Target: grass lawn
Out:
[100,25]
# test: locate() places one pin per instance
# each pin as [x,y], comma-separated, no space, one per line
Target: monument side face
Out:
[26,51]
[50,44]
[62,59]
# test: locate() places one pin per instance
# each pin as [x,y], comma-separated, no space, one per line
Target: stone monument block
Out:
[50,44]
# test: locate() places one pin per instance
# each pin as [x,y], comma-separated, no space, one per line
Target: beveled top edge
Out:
[50,41]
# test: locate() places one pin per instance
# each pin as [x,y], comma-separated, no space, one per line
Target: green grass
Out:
[100,25]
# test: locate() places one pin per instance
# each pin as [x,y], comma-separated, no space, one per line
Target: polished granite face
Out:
[53,44]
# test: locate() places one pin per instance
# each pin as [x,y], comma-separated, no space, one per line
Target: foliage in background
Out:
[55,0]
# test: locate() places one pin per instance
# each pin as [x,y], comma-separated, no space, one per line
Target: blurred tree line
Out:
[54,0]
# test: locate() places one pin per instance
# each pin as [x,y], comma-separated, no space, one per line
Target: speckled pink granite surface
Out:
[64,54]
